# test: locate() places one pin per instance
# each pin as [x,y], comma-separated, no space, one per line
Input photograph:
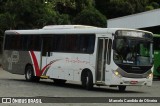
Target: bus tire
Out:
[87,80]
[122,88]
[29,74]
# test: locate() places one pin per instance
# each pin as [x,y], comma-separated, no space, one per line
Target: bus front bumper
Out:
[117,80]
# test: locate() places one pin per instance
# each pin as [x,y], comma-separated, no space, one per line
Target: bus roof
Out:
[51,27]
[68,29]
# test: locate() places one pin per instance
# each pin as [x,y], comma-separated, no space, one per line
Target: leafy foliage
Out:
[91,17]
[117,8]
[28,14]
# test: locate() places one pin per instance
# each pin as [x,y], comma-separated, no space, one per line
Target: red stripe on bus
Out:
[38,73]
[44,68]
[48,65]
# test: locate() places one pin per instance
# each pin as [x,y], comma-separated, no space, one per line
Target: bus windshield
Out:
[133,51]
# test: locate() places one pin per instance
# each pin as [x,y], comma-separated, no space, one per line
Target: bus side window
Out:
[71,43]
[34,42]
[91,43]
[24,39]
[87,43]
[58,44]
[19,42]
[79,43]
[13,42]
[8,42]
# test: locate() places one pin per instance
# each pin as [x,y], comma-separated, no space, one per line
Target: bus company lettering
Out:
[76,61]
[14,58]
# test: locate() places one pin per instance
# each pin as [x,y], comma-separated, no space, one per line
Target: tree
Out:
[26,12]
[118,8]
[114,8]
[139,5]
[65,6]
[72,7]
[82,4]
[149,8]
[102,6]
[33,14]
[155,5]
[91,17]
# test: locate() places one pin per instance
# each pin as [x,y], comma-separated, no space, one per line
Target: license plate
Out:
[133,82]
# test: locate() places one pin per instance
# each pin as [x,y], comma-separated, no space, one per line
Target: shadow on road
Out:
[67,85]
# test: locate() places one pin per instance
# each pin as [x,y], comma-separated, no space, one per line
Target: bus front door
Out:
[101,59]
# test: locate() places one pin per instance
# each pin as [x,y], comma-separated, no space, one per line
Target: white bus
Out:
[115,57]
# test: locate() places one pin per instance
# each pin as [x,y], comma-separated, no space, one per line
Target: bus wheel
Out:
[29,75]
[87,80]
[59,81]
[122,88]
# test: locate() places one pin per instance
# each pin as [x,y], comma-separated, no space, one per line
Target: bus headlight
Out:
[117,73]
[150,76]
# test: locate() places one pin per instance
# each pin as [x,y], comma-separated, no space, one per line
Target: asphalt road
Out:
[12,85]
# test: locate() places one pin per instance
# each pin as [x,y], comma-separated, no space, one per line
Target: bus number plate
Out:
[133,82]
